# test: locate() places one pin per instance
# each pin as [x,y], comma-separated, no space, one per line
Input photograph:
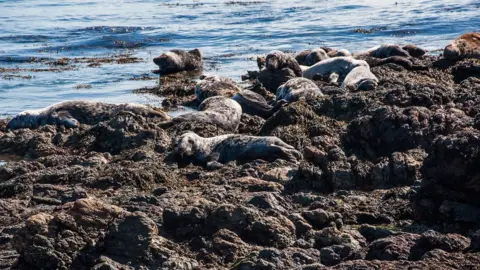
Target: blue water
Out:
[230,35]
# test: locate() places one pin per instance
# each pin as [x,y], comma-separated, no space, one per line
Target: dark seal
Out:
[178,60]
[254,104]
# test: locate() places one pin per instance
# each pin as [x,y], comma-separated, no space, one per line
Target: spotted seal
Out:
[311,57]
[360,79]
[297,88]
[220,111]
[222,149]
[73,113]
[255,104]
[465,46]
[277,60]
[178,60]
[213,85]
[384,51]
[340,66]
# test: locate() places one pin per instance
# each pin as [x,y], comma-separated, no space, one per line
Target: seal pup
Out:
[73,113]
[297,88]
[360,79]
[465,46]
[213,85]
[220,111]
[255,104]
[311,57]
[178,60]
[340,66]
[277,60]
[214,151]
[384,51]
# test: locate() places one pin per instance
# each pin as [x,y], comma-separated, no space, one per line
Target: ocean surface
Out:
[35,33]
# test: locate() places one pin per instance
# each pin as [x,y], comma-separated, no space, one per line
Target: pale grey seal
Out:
[220,111]
[360,79]
[339,65]
[296,88]
[311,57]
[72,113]
[255,104]
[465,46]
[213,85]
[384,51]
[179,60]
[277,60]
[222,149]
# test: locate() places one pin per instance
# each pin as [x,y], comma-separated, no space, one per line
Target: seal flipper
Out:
[213,162]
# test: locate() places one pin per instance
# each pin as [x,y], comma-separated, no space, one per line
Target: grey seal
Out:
[338,53]
[73,113]
[340,66]
[222,149]
[311,57]
[220,111]
[296,88]
[255,104]
[384,51]
[360,79]
[465,46]
[277,60]
[213,85]
[178,60]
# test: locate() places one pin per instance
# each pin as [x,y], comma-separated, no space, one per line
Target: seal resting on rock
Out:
[398,60]
[179,60]
[360,79]
[339,65]
[465,46]
[414,50]
[213,85]
[277,60]
[337,53]
[255,104]
[311,57]
[73,113]
[384,51]
[214,151]
[296,88]
[220,111]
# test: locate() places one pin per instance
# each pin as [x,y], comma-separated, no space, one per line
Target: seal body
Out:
[213,85]
[465,46]
[220,111]
[277,60]
[414,50]
[311,57]
[360,79]
[338,53]
[339,65]
[73,113]
[255,104]
[178,60]
[384,51]
[233,147]
[296,88]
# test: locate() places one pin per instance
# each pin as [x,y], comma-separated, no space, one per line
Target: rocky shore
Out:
[390,179]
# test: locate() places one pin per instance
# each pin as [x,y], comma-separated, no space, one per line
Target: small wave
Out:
[26,38]
[113,29]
